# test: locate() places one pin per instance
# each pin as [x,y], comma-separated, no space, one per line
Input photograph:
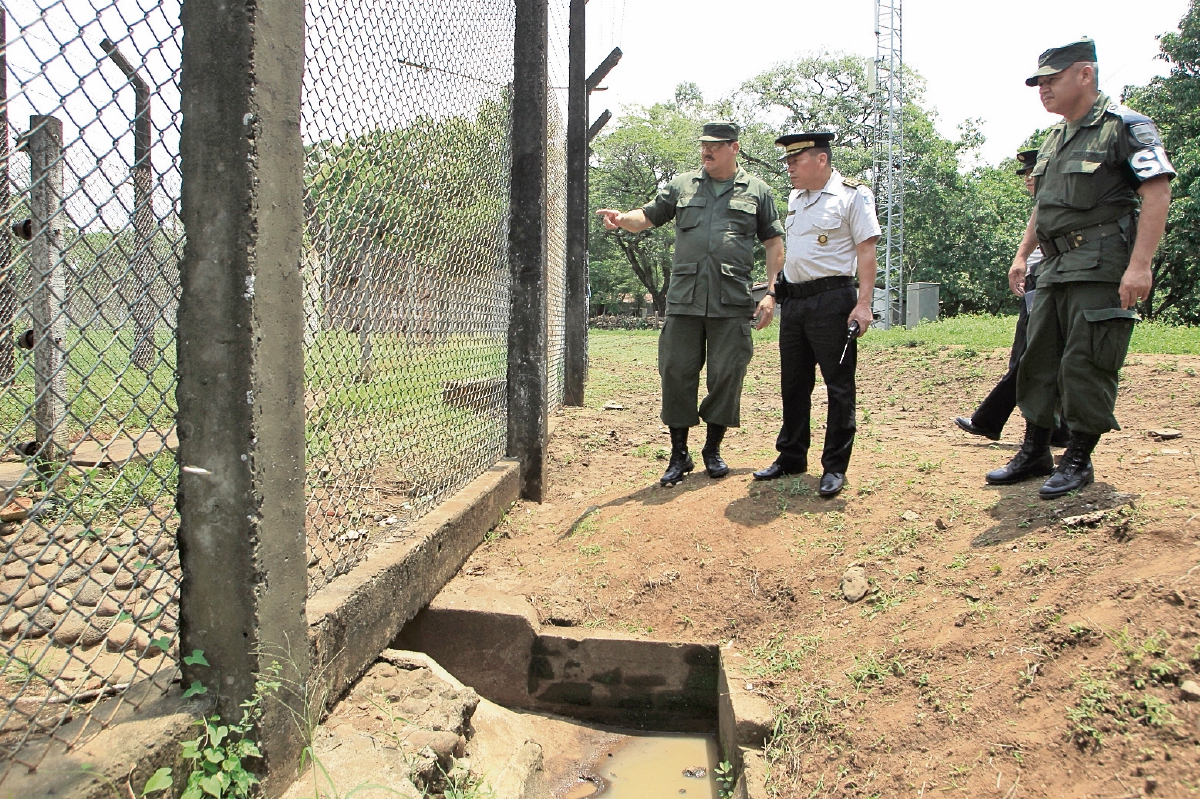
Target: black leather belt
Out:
[1077,238]
[810,287]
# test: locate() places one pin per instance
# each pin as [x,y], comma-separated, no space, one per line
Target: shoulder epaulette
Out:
[852,183]
[1128,115]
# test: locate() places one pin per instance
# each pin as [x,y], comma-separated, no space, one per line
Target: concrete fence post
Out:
[527,247]
[44,143]
[143,274]
[241,365]
[576,365]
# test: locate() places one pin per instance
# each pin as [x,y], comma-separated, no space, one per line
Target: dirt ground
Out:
[1009,647]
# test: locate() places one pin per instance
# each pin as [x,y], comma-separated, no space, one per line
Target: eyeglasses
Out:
[712,145]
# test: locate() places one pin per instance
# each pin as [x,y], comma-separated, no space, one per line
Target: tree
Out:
[1173,101]
[962,226]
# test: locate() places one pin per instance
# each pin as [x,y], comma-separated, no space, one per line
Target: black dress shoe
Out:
[775,471]
[966,425]
[832,484]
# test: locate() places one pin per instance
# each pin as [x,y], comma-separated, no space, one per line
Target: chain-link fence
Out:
[556,156]
[406,120]
[89,255]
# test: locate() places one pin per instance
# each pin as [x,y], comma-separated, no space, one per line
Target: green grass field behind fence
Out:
[978,332]
[105,391]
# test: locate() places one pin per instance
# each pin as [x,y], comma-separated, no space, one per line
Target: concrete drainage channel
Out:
[474,681]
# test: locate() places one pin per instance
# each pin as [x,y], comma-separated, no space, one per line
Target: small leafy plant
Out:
[218,754]
[725,779]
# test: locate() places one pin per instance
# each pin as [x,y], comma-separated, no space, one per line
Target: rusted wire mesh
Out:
[406,123]
[556,157]
[406,119]
[89,251]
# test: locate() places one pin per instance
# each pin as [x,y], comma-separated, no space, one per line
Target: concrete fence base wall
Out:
[350,622]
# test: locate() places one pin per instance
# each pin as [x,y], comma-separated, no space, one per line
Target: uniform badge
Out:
[822,239]
[1145,133]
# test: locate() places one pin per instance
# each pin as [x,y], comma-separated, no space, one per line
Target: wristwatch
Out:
[771,294]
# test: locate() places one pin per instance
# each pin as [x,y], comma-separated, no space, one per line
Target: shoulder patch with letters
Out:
[1149,159]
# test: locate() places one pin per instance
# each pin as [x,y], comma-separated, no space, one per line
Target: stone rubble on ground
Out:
[855,584]
[64,584]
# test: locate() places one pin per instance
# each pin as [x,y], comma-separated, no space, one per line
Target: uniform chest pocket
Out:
[1078,177]
[689,212]
[825,224]
[743,215]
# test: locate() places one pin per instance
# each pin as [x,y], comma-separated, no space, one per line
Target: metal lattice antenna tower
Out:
[888,90]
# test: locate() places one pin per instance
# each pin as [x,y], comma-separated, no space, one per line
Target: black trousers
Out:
[998,405]
[992,414]
[812,333]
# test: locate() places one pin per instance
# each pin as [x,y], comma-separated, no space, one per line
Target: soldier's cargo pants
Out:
[1078,337]
[683,346]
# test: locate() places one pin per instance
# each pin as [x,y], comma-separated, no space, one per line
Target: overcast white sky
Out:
[974,55]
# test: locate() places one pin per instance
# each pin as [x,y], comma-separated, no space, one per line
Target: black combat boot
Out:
[714,464]
[1061,437]
[1074,468]
[681,462]
[1033,459]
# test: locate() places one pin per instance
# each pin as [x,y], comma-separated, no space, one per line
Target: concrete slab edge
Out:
[143,735]
[746,723]
[355,618]
[358,615]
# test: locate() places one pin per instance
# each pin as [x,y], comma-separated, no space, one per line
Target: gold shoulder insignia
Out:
[852,183]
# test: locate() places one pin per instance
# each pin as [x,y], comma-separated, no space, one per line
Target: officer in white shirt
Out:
[831,233]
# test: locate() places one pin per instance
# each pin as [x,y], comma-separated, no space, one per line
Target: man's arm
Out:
[1016,273]
[867,266]
[634,221]
[766,309]
[1138,278]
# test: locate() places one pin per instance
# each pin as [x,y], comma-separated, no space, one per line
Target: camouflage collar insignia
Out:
[852,183]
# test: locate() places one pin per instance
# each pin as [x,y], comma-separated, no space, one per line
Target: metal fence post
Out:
[527,242]
[577,213]
[8,296]
[44,143]
[241,366]
[145,310]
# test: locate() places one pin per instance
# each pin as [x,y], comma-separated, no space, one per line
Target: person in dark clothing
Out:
[991,415]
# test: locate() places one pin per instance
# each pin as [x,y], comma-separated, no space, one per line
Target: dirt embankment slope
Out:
[1009,646]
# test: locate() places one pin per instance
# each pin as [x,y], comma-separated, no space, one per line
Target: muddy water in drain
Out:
[652,767]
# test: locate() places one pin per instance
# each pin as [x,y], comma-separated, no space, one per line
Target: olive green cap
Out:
[1056,59]
[1025,161]
[720,130]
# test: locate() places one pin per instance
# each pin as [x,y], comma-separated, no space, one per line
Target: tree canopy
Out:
[963,219]
[1173,101]
[961,226]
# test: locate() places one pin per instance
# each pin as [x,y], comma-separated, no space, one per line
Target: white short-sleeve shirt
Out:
[824,227]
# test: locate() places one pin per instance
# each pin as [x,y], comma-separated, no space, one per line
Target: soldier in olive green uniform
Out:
[1098,240]
[718,212]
